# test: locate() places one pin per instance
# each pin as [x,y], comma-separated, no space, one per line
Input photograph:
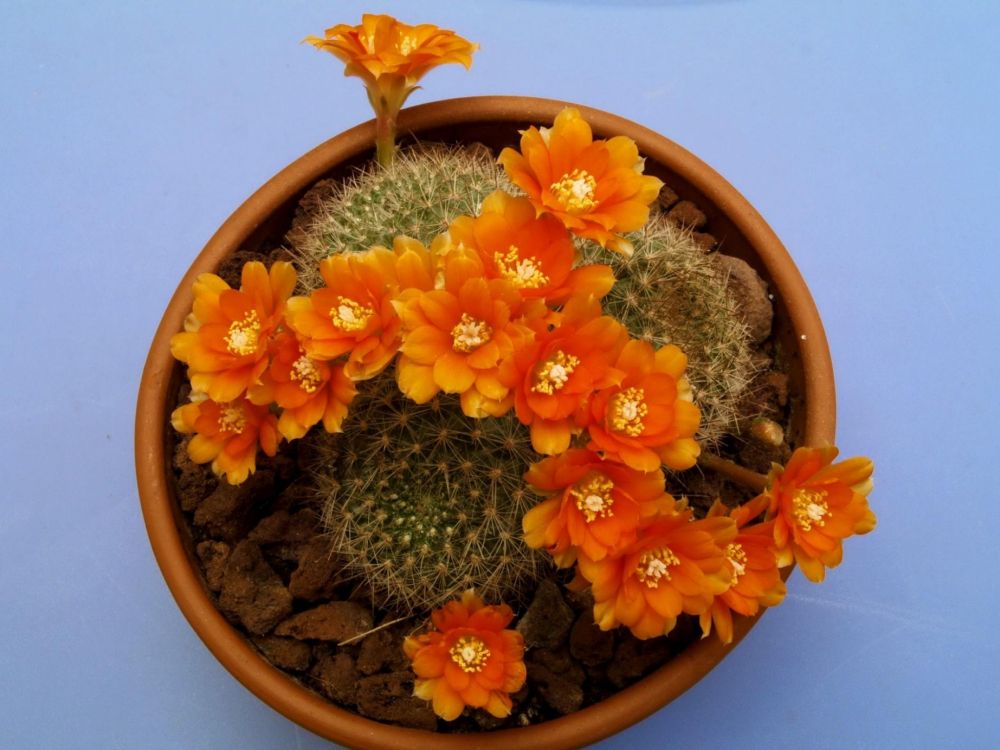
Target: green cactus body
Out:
[671,292]
[418,195]
[422,502]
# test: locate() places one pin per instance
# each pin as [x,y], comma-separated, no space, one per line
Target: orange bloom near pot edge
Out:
[756,580]
[596,508]
[307,390]
[456,338]
[354,314]
[816,504]
[226,335]
[554,375]
[534,253]
[676,565]
[471,659]
[595,188]
[648,417]
[227,434]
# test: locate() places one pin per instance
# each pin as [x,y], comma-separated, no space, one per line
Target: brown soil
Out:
[267,565]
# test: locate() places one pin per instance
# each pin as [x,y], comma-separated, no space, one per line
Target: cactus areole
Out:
[434,511]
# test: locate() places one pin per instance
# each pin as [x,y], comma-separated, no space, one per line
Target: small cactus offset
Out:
[422,503]
[670,292]
[425,187]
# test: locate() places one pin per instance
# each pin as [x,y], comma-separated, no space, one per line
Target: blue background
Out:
[865,133]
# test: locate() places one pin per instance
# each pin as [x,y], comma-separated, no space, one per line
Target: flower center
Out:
[523,273]
[469,334]
[809,508]
[554,372]
[348,315]
[244,335]
[627,410]
[368,42]
[470,653]
[304,373]
[575,191]
[232,419]
[593,497]
[737,557]
[407,45]
[655,565]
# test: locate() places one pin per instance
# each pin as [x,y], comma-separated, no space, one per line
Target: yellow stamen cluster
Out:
[304,373]
[554,372]
[407,44]
[232,419]
[469,653]
[737,557]
[655,565]
[575,191]
[523,273]
[244,335]
[809,508]
[348,315]
[593,497]
[627,410]
[469,334]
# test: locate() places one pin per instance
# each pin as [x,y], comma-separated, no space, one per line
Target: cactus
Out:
[418,195]
[421,502]
[670,292]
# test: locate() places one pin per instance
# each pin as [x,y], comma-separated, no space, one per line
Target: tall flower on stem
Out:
[816,504]
[471,659]
[595,188]
[391,57]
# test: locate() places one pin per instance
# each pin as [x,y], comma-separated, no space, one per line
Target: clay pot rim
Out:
[272,686]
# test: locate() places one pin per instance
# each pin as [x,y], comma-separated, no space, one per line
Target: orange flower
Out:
[816,504]
[755,582]
[308,390]
[596,507]
[648,417]
[595,188]
[225,338]
[391,57]
[354,314]
[456,338]
[534,253]
[554,375]
[470,660]
[676,565]
[227,434]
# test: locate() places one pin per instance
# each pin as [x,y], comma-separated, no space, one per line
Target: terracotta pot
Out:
[494,121]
